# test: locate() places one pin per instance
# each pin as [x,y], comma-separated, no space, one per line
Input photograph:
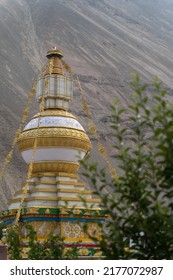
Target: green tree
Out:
[13,241]
[139,203]
[54,248]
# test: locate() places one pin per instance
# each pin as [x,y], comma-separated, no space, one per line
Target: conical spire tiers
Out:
[54,86]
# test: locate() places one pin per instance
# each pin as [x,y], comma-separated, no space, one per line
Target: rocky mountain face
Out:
[102,40]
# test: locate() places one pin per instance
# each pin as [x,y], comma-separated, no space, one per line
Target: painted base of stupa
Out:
[65,223]
[53,205]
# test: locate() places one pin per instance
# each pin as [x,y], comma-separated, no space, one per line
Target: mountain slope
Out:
[103,41]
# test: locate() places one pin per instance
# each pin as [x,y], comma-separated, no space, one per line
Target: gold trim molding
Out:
[53,198]
[67,137]
[54,132]
[52,142]
[58,182]
[54,112]
[46,166]
[55,174]
[47,190]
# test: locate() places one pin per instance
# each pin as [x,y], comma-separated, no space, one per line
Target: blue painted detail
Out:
[57,219]
[10,221]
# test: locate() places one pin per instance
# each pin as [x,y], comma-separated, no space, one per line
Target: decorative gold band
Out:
[47,190]
[47,182]
[56,174]
[63,210]
[53,198]
[54,132]
[62,142]
[47,166]
[54,112]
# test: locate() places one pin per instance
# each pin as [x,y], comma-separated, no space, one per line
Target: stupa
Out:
[54,187]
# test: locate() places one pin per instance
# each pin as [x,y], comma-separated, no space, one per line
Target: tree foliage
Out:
[13,241]
[54,248]
[140,202]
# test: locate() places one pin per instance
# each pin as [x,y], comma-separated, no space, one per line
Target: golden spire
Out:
[57,65]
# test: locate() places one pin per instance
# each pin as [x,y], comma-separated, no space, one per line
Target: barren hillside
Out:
[103,41]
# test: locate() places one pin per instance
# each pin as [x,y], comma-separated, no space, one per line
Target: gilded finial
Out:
[54,56]
[54,52]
